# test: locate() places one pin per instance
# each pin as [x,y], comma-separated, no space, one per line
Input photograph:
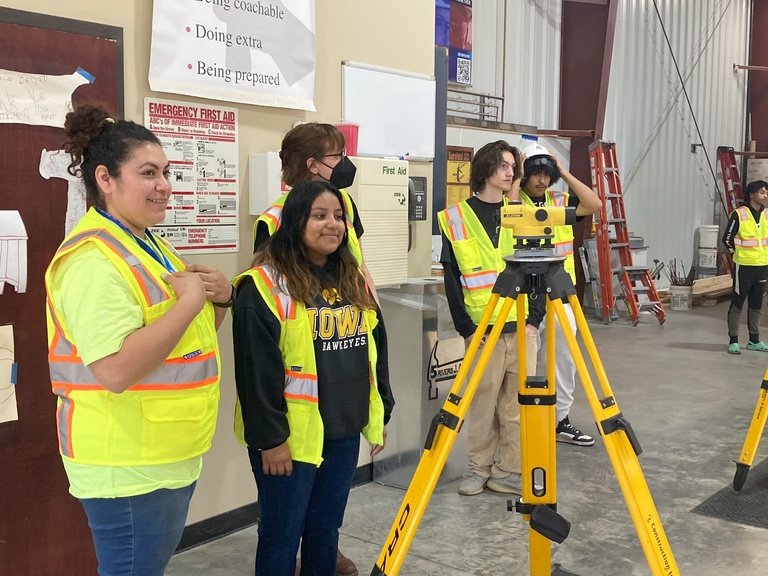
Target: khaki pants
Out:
[494,414]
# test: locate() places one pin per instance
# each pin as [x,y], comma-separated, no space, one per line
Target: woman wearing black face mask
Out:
[315,151]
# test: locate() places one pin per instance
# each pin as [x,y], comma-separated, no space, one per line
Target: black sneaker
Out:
[566,432]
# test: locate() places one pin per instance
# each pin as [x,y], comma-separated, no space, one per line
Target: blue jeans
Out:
[137,535]
[307,506]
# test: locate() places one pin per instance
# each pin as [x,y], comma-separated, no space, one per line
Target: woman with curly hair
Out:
[133,353]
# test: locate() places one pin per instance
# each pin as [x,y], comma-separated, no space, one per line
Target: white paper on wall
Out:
[13,251]
[54,164]
[38,99]
[8,408]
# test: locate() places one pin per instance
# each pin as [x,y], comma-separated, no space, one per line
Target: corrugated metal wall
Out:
[529,78]
[532,75]
[670,191]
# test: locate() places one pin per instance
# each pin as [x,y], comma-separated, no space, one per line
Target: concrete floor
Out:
[690,404]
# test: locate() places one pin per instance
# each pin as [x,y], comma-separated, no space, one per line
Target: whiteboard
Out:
[395,110]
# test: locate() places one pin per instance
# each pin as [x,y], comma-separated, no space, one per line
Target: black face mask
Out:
[343,174]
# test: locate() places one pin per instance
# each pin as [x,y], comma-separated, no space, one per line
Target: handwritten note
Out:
[38,99]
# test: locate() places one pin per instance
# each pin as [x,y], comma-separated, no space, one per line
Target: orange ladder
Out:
[731,180]
[613,236]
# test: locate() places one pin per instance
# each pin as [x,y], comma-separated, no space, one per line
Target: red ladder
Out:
[731,179]
[634,280]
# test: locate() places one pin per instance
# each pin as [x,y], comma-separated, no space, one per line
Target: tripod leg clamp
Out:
[442,418]
[545,520]
[618,422]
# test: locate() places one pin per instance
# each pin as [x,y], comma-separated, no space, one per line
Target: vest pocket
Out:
[467,255]
[306,433]
[175,428]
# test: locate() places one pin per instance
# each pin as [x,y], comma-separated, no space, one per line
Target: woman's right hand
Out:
[188,287]
[277,461]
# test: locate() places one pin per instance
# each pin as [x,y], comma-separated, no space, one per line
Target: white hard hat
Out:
[535,149]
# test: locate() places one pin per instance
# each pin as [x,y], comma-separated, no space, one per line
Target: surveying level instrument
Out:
[533,269]
[754,433]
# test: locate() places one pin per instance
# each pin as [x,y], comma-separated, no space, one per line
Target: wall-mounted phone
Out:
[417,198]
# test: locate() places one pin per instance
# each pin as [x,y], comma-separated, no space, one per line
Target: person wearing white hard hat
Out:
[542,169]
[474,244]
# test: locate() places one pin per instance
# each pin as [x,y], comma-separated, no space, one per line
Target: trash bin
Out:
[425,354]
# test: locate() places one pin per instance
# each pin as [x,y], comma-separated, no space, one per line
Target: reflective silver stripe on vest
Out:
[456,222]
[62,421]
[743,214]
[296,386]
[285,299]
[276,211]
[564,249]
[63,346]
[746,243]
[558,199]
[479,281]
[168,374]
[155,291]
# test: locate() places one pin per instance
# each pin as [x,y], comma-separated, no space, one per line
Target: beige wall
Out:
[397,34]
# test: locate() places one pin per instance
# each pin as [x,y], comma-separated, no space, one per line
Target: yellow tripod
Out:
[754,433]
[534,275]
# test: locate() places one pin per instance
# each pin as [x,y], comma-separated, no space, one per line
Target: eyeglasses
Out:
[338,155]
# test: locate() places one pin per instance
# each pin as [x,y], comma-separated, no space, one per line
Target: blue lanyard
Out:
[156,254]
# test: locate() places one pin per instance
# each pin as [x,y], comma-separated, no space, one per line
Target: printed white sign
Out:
[201,145]
[38,99]
[235,50]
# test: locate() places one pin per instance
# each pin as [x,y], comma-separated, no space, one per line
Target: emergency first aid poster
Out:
[201,145]
[249,51]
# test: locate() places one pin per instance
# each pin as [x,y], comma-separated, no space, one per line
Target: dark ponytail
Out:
[95,138]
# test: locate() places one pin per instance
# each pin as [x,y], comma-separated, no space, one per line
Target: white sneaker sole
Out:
[568,440]
[503,488]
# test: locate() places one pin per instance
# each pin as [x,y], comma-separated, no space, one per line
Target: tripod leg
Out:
[537,442]
[752,440]
[441,437]
[622,448]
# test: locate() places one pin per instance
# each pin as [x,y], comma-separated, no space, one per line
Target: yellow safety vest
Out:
[273,216]
[300,392]
[751,243]
[168,416]
[479,262]
[563,240]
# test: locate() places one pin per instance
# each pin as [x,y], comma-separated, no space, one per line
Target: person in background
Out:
[315,151]
[133,352]
[541,169]
[312,373]
[746,236]
[474,244]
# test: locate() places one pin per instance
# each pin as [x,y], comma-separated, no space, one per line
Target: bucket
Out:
[706,272]
[680,297]
[350,130]
[707,257]
[708,236]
